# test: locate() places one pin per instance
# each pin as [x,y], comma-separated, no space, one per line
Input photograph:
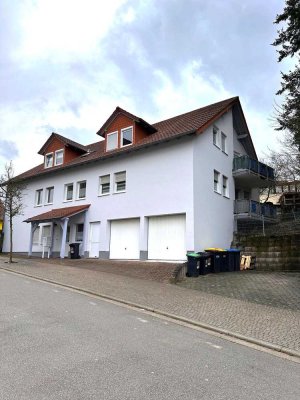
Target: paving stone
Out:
[263,306]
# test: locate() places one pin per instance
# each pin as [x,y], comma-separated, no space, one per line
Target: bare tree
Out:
[286,161]
[11,194]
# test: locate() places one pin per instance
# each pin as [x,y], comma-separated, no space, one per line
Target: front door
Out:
[94,244]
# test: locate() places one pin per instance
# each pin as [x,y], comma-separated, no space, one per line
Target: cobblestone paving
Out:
[278,289]
[274,324]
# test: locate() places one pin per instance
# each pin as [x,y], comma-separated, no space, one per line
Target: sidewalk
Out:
[276,325]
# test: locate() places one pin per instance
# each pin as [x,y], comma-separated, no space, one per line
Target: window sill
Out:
[121,191]
[226,197]
[81,198]
[103,194]
[218,147]
[48,204]
[126,145]
[224,152]
[38,205]
[220,194]
[67,201]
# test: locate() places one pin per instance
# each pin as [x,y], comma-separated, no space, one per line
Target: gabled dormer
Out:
[124,129]
[59,150]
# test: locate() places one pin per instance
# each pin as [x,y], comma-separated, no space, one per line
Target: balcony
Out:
[250,209]
[250,173]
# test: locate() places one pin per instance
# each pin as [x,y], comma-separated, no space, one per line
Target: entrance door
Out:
[124,239]
[166,237]
[94,244]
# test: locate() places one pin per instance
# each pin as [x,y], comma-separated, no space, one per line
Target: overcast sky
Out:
[66,64]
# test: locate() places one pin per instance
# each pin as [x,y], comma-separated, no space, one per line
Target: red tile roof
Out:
[186,124]
[119,111]
[64,140]
[58,213]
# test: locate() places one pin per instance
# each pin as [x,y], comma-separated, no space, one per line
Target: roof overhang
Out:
[58,214]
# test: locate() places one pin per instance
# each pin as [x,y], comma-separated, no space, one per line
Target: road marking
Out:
[214,345]
[142,320]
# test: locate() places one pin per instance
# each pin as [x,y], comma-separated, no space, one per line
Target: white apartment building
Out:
[145,191]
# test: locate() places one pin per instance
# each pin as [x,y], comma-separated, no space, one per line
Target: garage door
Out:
[124,239]
[166,238]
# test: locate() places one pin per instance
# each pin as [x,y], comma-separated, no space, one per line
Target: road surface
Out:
[61,344]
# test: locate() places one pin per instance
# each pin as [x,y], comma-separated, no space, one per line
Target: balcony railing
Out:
[254,209]
[245,163]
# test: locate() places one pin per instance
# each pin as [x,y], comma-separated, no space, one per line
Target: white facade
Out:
[173,179]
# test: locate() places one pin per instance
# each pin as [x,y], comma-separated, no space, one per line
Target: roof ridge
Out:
[197,109]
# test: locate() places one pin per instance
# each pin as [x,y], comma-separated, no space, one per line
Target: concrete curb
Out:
[208,327]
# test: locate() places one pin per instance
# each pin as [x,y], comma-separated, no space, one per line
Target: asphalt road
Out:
[60,344]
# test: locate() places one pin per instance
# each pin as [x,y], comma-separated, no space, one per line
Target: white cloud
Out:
[193,91]
[65,29]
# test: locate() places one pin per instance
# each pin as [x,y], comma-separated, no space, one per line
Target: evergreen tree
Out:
[288,114]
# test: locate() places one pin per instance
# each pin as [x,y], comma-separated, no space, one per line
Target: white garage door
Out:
[166,238]
[124,239]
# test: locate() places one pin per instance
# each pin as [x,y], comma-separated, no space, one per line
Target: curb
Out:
[258,342]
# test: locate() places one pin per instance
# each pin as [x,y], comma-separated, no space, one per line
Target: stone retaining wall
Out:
[273,253]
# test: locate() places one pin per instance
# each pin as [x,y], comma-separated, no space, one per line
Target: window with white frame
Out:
[126,136]
[39,197]
[46,235]
[48,160]
[79,233]
[217,181]
[36,236]
[216,136]
[81,190]
[120,182]
[223,142]
[69,189]
[112,141]
[225,190]
[104,185]
[49,195]
[59,157]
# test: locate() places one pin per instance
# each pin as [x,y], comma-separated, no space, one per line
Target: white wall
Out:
[213,213]
[159,181]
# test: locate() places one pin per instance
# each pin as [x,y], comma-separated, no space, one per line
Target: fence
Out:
[285,223]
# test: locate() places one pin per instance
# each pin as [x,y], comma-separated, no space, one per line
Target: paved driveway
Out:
[276,289]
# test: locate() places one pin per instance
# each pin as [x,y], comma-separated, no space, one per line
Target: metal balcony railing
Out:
[253,208]
[249,164]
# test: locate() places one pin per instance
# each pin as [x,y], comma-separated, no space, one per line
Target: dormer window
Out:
[49,160]
[59,157]
[112,141]
[126,136]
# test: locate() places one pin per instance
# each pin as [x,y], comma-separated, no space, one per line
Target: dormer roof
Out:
[118,111]
[65,141]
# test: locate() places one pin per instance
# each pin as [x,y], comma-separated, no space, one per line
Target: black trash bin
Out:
[234,259]
[205,263]
[74,250]
[193,265]
[219,260]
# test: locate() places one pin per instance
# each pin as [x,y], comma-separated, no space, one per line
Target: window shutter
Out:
[121,177]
